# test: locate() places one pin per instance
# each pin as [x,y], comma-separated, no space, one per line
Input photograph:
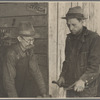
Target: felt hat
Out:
[75,12]
[26,28]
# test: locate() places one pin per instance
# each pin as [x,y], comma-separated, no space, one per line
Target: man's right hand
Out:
[61,81]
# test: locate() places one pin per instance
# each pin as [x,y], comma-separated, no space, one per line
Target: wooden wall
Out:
[58,31]
[10,16]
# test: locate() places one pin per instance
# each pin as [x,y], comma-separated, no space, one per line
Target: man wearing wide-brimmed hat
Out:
[21,63]
[80,69]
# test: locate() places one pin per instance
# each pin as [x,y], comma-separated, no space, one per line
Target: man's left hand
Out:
[79,86]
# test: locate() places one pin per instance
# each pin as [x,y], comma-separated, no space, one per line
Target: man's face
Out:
[27,42]
[74,25]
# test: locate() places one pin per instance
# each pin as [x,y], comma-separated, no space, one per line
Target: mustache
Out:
[30,46]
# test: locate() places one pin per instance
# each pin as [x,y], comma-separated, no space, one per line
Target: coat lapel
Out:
[82,40]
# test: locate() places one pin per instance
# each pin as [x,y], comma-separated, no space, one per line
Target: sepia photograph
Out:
[50,49]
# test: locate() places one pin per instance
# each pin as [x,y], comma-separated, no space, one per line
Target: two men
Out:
[21,63]
[81,65]
[82,57]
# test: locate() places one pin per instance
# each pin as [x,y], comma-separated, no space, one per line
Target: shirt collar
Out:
[80,36]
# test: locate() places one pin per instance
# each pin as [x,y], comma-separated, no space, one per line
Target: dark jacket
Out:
[18,65]
[82,59]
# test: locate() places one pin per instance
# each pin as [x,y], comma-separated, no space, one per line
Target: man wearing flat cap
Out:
[21,63]
[80,71]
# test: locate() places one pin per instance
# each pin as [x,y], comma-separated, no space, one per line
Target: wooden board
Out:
[22,9]
[14,21]
[41,46]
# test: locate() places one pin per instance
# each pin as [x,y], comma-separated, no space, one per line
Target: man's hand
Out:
[61,81]
[79,86]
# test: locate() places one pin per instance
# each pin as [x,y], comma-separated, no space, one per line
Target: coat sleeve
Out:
[9,74]
[36,73]
[92,71]
[65,63]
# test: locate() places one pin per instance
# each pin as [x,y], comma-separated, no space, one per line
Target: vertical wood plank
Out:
[52,47]
[74,3]
[97,17]
[86,13]
[62,33]
[91,16]
[80,4]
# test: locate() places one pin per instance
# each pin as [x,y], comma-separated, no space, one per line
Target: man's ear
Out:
[19,38]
